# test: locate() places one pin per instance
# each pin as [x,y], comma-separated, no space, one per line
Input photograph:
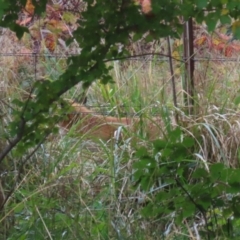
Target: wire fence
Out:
[141,57]
[36,61]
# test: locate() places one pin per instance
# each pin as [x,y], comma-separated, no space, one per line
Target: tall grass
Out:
[75,187]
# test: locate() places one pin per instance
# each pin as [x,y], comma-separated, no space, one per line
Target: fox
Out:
[104,127]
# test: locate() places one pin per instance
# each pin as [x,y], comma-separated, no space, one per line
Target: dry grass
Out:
[83,189]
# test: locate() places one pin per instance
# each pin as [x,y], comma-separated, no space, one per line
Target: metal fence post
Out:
[188,84]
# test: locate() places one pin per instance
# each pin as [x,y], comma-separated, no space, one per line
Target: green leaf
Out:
[216,170]
[211,21]
[136,37]
[205,200]
[233,175]
[188,142]
[144,163]
[159,144]
[3,6]
[234,187]
[142,152]
[200,173]
[175,135]
[145,184]
[201,3]
[188,209]
[225,19]
[148,211]
[227,212]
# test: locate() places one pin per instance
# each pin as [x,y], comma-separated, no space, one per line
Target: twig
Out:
[21,127]
[19,172]
[198,206]
[13,142]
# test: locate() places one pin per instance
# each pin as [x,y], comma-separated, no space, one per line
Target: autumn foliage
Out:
[221,44]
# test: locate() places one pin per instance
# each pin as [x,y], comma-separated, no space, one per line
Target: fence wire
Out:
[146,57]
[141,57]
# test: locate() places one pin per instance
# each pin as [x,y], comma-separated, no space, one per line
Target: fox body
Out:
[104,127]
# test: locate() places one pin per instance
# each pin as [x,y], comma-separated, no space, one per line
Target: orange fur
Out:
[103,127]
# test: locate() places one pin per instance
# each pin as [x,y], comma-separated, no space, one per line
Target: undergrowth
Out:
[184,185]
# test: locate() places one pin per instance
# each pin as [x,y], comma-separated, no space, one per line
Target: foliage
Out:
[221,44]
[67,176]
[186,188]
[111,24]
